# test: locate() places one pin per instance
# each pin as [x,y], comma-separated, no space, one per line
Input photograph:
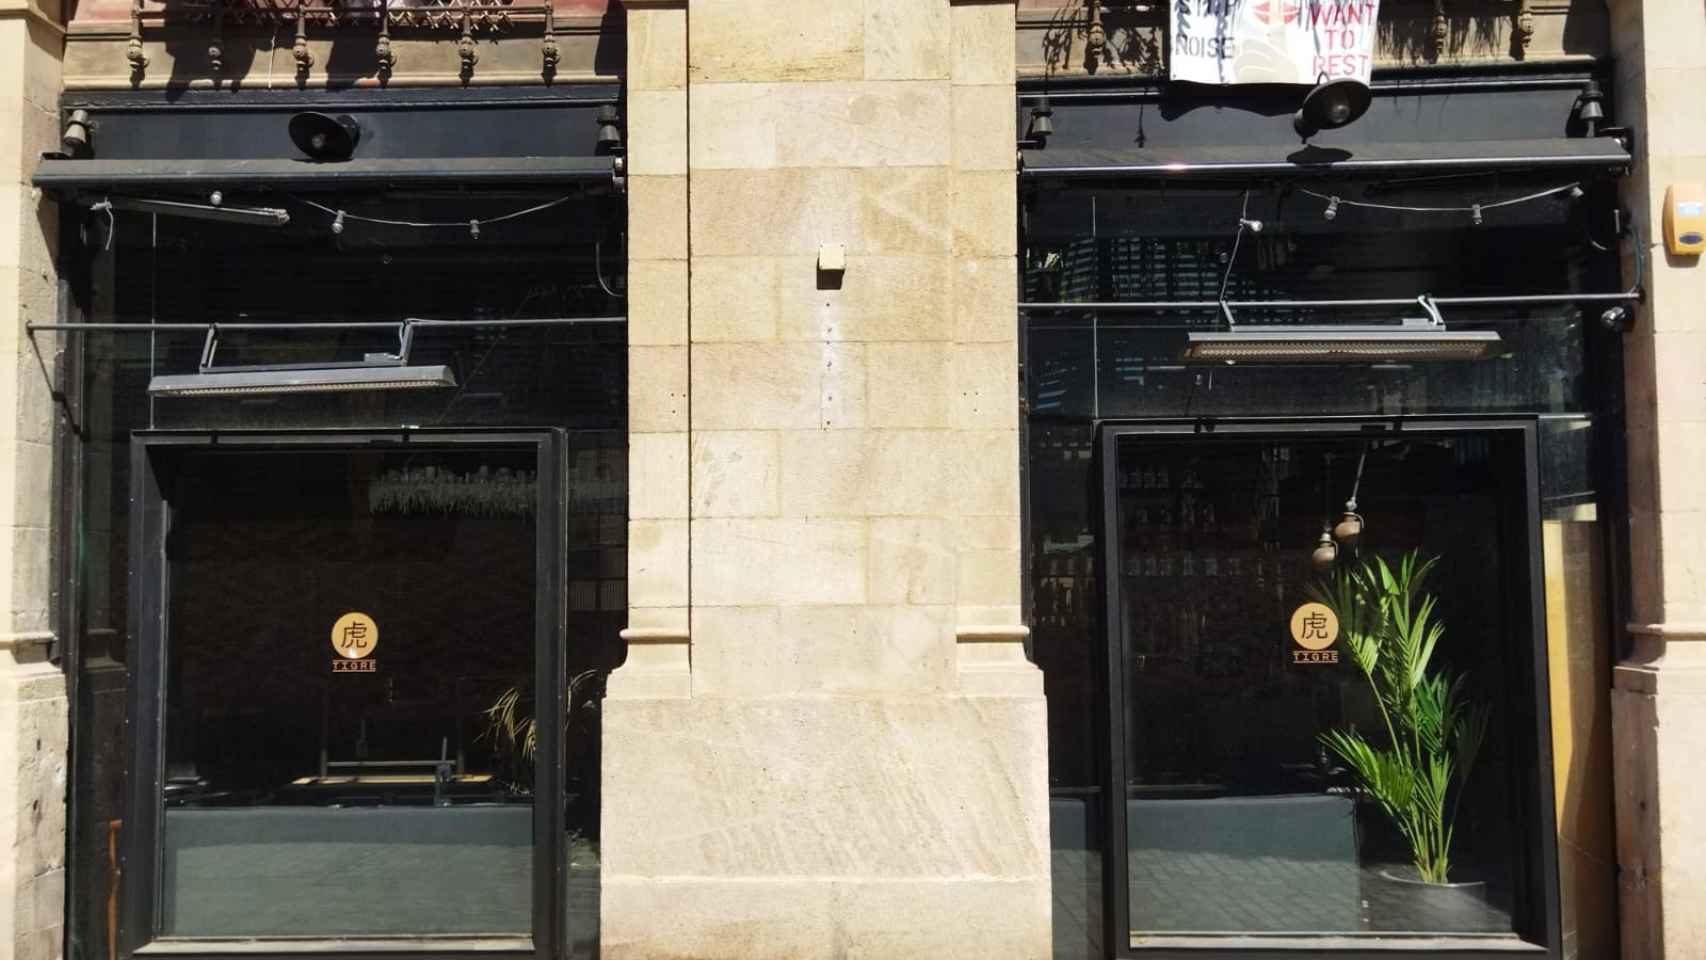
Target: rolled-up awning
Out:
[67,175]
[1115,162]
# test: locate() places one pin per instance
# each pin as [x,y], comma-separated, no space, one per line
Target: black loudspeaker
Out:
[1332,104]
[325,138]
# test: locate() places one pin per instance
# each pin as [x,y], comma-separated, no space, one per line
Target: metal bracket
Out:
[1432,310]
[405,343]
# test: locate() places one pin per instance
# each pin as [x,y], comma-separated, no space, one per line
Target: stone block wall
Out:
[33,710]
[826,740]
[1659,691]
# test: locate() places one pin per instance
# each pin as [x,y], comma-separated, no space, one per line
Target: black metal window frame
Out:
[151,520]
[1537,907]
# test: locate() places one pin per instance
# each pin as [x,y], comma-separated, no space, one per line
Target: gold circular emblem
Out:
[1314,626]
[355,636]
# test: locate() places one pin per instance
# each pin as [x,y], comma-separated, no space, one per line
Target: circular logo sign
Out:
[355,636]
[1314,626]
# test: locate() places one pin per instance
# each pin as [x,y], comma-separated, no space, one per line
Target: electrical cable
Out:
[106,207]
[1362,459]
[1243,222]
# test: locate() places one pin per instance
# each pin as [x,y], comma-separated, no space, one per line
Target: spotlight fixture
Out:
[609,129]
[1041,126]
[325,138]
[1617,319]
[76,135]
[1590,109]
[1330,105]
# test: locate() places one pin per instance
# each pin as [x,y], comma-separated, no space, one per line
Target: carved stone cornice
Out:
[45,15]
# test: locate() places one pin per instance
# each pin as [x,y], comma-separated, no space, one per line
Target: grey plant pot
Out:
[1400,901]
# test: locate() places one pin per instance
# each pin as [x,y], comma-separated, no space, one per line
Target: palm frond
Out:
[1391,627]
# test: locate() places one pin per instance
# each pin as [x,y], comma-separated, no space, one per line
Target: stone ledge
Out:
[991,661]
[28,647]
[659,665]
[714,918]
[1668,658]
[998,633]
[653,635]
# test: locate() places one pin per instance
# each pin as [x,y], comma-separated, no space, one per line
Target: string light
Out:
[339,217]
[1474,209]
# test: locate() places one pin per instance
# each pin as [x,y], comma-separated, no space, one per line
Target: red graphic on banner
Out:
[1288,10]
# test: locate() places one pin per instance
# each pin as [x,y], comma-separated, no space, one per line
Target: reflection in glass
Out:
[1239,818]
[349,633]
[1068,644]
[1176,245]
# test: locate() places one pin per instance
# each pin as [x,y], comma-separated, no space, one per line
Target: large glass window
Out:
[374,780]
[1215,730]
[350,637]
[1325,736]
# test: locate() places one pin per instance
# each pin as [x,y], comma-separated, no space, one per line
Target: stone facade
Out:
[827,737]
[33,711]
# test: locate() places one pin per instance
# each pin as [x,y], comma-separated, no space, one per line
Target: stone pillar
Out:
[656,122]
[1659,691]
[853,757]
[32,691]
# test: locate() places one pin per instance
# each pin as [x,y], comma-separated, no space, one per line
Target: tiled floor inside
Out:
[1205,893]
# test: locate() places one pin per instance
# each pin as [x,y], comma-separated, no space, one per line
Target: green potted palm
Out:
[1415,769]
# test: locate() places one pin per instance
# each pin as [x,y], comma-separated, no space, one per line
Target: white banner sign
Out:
[1272,41]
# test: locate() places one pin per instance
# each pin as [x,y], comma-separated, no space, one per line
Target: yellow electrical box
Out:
[1685,220]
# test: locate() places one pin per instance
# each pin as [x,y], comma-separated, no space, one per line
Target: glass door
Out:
[1326,682]
[352,643]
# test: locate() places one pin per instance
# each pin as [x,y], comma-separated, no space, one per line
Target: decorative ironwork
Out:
[1095,38]
[133,47]
[470,18]
[382,52]
[465,50]
[548,50]
[299,49]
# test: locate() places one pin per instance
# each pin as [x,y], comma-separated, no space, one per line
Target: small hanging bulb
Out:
[1475,214]
[1332,211]
[1326,552]
[1349,527]
[474,229]
[338,223]
[1576,192]
[215,198]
